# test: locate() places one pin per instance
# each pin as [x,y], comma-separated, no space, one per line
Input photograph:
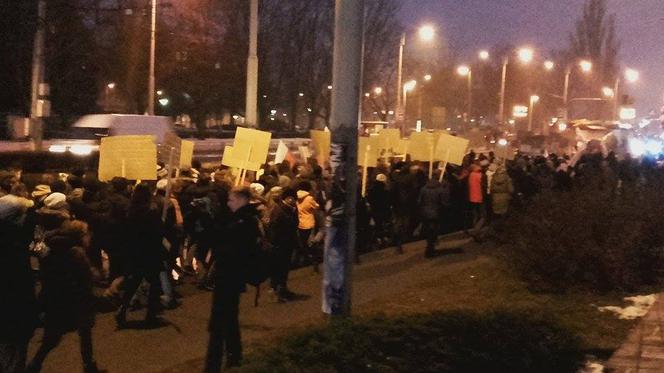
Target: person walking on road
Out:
[282,234]
[431,200]
[239,236]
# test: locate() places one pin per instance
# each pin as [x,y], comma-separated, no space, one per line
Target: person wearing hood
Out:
[306,212]
[501,191]
[66,294]
[239,236]
[431,200]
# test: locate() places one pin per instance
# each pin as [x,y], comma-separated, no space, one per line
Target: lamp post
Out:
[426,33]
[586,67]
[466,71]
[153,45]
[427,78]
[631,76]
[409,86]
[525,55]
[531,111]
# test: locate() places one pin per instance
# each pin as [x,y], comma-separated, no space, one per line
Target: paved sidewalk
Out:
[179,346]
[643,351]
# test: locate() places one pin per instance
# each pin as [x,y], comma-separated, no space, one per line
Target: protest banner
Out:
[186,153]
[282,150]
[451,149]
[259,143]
[131,157]
[389,139]
[320,141]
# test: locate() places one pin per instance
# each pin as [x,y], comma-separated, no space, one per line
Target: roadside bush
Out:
[440,342]
[591,238]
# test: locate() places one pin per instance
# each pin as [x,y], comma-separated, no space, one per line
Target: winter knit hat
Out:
[41,191]
[381,178]
[56,201]
[257,188]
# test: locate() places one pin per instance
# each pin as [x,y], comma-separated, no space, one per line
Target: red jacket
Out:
[475,187]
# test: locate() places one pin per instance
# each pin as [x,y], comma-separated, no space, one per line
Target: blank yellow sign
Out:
[368,151]
[186,153]
[389,139]
[421,144]
[455,146]
[239,156]
[132,157]
[260,143]
[320,141]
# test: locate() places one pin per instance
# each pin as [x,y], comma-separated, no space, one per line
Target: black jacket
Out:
[432,199]
[144,235]
[282,231]
[237,238]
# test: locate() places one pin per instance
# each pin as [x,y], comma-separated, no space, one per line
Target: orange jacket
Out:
[306,208]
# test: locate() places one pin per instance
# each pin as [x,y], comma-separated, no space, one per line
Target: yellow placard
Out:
[259,141]
[132,157]
[320,141]
[453,146]
[239,156]
[186,153]
[370,144]
[421,144]
[389,139]
[403,147]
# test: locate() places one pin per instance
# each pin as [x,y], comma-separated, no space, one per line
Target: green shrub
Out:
[590,238]
[441,342]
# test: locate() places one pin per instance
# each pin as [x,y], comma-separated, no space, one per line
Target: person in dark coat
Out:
[144,235]
[238,237]
[430,202]
[381,207]
[66,295]
[282,234]
[17,294]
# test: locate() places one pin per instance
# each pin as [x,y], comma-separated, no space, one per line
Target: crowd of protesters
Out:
[67,233]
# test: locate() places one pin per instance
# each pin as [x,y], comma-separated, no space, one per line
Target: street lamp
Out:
[483,55]
[426,33]
[427,77]
[408,87]
[533,100]
[586,67]
[631,76]
[464,70]
[549,65]
[525,55]
[608,92]
[378,91]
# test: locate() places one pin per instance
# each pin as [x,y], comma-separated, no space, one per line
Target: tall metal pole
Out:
[251,103]
[153,47]
[401,114]
[344,121]
[37,76]
[470,94]
[503,81]
[531,114]
[568,72]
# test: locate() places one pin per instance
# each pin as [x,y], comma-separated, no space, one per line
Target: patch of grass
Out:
[455,341]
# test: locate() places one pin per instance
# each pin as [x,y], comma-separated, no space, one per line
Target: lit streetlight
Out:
[427,77]
[408,87]
[586,66]
[525,55]
[367,94]
[608,92]
[549,65]
[378,91]
[111,85]
[631,76]
[483,55]
[464,70]
[426,33]
[533,100]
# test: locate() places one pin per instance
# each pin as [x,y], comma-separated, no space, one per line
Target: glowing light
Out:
[81,149]
[511,122]
[463,70]
[110,85]
[301,94]
[638,147]
[526,55]
[391,112]
[549,65]
[309,109]
[409,86]
[164,101]
[427,33]
[586,66]
[608,92]
[562,127]
[484,55]
[378,91]
[631,75]
[520,111]
[273,111]
[367,94]
[159,92]
[427,77]
[502,142]
[627,113]
[534,99]
[57,148]
[329,87]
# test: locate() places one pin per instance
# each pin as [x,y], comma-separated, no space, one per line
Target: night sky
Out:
[469,25]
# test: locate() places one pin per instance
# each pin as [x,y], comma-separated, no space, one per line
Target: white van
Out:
[128,124]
